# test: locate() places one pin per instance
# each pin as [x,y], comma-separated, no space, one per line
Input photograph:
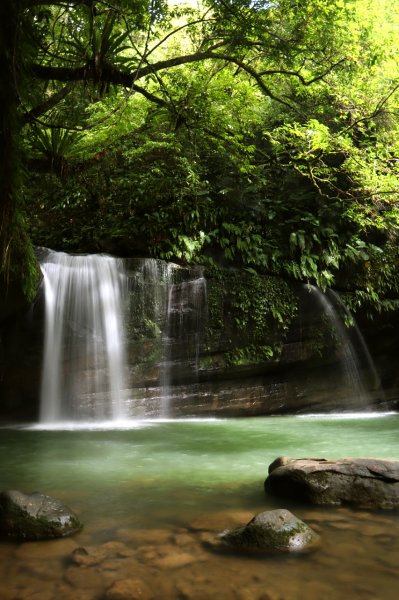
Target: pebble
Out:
[141,536]
[84,578]
[175,560]
[129,589]
[88,556]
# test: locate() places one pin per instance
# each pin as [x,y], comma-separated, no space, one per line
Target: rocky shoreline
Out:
[176,562]
[360,482]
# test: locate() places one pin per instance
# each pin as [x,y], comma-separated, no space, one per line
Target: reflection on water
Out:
[150,495]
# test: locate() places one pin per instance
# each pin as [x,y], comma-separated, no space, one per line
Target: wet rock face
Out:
[276,530]
[361,482]
[35,516]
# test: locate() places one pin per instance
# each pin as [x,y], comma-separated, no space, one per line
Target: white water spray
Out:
[349,357]
[375,383]
[84,357]
[184,323]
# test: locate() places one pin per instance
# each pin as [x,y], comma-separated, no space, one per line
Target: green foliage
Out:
[376,284]
[244,310]
[254,134]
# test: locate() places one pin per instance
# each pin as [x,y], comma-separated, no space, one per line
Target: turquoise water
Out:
[157,459]
[153,480]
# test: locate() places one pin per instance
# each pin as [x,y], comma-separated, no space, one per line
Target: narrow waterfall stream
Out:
[350,358]
[375,383]
[84,362]
[184,322]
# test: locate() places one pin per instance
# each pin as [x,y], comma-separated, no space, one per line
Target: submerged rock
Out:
[35,516]
[361,482]
[275,530]
[129,589]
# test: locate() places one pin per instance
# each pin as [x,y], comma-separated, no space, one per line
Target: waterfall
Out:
[167,319]
[353,363]
[151,281]
[186,301]
[84,357]
[375,383]
[94,302]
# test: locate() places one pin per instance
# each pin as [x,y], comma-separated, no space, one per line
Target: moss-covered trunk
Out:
[18,267]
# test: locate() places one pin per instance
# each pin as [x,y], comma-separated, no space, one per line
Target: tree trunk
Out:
[18,267]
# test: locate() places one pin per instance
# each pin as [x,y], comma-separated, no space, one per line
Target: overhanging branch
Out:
[128,78]
[47,105]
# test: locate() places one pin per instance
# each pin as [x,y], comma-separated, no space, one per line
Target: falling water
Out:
[84,356]
[349,357]
[151,280]
[375,383]
[182,335]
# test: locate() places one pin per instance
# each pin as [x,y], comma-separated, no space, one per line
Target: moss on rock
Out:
[35,516]
[276,530]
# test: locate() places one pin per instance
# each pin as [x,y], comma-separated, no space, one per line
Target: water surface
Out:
[159,488]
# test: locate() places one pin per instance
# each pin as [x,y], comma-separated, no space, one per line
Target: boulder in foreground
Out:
[35,516]
[361,482]
[272,531]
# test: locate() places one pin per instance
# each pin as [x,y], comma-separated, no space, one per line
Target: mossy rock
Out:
[35,516]
[272,531]
[361,482]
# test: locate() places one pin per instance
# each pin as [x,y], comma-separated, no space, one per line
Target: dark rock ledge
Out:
[361,482]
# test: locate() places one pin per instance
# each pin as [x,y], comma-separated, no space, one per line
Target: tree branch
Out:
[127,79]
[32,3]
[45,106]
[376,111]
[151,97]
[299,76]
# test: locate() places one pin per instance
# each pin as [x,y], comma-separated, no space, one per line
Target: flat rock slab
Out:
[271,531]
[35,516]
[361,482]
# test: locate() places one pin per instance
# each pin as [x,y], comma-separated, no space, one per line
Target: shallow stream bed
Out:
[152,493]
